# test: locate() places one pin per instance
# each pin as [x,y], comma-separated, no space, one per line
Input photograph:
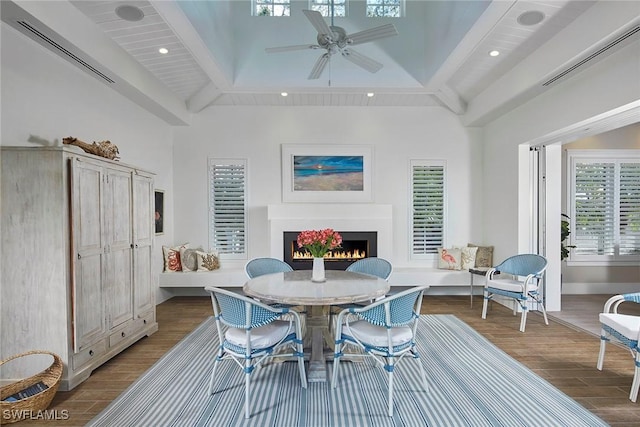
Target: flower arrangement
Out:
[319,242]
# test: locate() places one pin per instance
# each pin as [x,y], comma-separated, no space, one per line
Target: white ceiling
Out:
[217,51]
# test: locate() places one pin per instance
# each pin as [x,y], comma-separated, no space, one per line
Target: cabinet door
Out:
[88,247]
[119,239]
[143,229]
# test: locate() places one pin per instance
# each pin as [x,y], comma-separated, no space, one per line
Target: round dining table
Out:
[296,288]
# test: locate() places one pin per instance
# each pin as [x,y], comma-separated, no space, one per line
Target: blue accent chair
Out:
[261,266]
[251,332]
[379,267]
[519,278]
[384,331]
[624,328]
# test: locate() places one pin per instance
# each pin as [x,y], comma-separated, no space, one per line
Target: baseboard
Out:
[599,288]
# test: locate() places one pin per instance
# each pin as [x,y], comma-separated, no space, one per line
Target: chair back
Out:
[261,266]
[523,265]
[379,267]
[393,311]
[239,311]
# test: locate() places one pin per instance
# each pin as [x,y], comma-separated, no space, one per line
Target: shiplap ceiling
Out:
[440,57]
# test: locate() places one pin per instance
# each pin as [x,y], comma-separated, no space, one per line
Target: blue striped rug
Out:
[472,383]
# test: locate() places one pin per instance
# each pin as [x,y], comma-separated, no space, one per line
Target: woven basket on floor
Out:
[11,412]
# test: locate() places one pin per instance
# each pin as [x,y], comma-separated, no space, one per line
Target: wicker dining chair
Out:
[384,331]
[374,266]
[504,280]
[624,328]
[261,266]
[251,332]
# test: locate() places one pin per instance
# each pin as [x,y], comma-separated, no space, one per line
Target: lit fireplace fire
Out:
[333,255]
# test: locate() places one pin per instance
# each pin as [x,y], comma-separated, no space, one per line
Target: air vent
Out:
[609,48]
[61,49]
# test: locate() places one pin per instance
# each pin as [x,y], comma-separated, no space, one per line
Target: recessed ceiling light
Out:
[494,53]
[284,94]
[163,50]
[129,13]
[531,17]
[370,94]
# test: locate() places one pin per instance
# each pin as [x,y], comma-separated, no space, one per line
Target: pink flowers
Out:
[319,242]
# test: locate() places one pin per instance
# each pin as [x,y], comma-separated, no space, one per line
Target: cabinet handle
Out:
[144,321]
[90,352]
[123,334]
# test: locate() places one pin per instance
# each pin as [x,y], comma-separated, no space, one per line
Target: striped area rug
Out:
[471,383]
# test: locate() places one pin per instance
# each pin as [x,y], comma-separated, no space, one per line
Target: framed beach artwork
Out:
[326,173]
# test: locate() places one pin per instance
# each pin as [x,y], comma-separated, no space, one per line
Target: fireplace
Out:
[355,245]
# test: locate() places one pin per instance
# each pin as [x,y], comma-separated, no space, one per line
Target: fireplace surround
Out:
[355,245]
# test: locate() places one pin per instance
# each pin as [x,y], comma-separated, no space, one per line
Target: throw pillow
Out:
[189,259]
[172,258]
[450,259]
[469,257]
[208,261]
[484,256]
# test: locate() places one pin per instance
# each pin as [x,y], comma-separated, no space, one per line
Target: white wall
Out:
[397,134]
[598,89]
[45,98]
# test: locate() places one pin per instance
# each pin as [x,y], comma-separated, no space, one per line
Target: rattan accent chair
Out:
[505,280]
[384,331]
[251,332]
[624,328]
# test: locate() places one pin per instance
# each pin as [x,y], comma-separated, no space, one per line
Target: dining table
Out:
[295,288]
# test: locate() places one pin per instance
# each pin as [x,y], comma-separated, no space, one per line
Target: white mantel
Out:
[340,217]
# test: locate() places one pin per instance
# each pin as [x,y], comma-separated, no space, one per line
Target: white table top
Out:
[296,288]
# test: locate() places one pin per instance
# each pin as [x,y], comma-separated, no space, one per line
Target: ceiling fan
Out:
[336,40]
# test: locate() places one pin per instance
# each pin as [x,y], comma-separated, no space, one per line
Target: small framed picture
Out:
[159,211]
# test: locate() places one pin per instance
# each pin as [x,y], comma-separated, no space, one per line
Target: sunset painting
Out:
[328,173]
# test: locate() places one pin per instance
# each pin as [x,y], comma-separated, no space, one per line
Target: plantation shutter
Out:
[428,213]
[594,208]
[227,206]
[629,208]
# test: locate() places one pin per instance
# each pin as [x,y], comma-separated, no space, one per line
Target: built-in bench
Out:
[448,282]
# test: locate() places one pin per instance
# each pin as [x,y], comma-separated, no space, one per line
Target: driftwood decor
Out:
[103,148]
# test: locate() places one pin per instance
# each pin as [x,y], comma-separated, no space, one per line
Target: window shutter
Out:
[629,208]
[594,208]
[227,206]
[427,208]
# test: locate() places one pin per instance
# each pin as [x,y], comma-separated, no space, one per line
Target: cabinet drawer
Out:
[93,352]
[123,333]
[145,319]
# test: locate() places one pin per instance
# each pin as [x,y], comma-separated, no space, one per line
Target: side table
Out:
[476,271]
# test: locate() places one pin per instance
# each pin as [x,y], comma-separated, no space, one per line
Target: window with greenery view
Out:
[228,207]
[427,208]
[384,8]
[324,7]
[605,206]
[272,7]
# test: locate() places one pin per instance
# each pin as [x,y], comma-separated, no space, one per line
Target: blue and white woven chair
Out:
[624,328]
[379,267]
[251,332]
[261,266]
[385,331]
[509,284]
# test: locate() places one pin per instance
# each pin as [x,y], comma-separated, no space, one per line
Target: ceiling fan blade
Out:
[319,66]
[290,48]
[318,22]
[361,60]
[374,33]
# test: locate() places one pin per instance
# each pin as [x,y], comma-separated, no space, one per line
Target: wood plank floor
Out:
[564,356]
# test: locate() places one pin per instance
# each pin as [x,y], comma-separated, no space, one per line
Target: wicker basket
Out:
[11,412]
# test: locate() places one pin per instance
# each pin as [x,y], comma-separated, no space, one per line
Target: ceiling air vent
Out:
[608,48]
[43,38]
